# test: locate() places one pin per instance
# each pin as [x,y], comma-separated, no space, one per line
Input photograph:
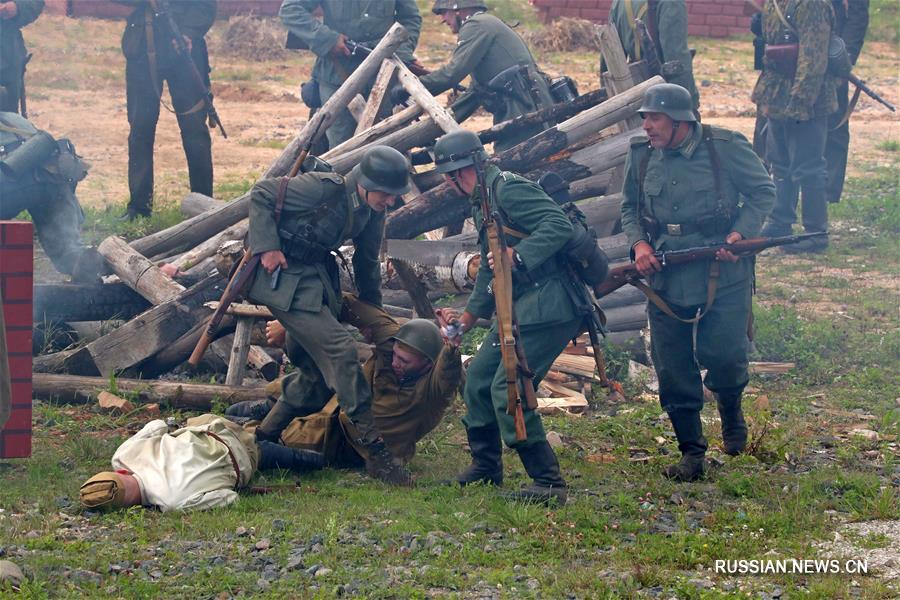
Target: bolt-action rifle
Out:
[620,276]
[243,273]
[183,53]
[518,376]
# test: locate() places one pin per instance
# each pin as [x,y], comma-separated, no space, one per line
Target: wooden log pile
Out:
[163,317]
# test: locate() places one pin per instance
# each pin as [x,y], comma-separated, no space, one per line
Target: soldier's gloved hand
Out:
[273,259]
[399,95]
[725,255]
[644,260]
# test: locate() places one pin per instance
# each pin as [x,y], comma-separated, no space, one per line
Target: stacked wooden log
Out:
[163,317]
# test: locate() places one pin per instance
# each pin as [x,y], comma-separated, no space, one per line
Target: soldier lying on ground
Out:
[412,373]
[39,174]
[197,466]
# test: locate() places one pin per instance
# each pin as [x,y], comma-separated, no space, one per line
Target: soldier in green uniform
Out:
[851,18]
[543,299]
[685,186]
[668,25]
[487,47]
[38,174]
[14,15]
[362,21]
[299,283]
[797,106]
[150,59]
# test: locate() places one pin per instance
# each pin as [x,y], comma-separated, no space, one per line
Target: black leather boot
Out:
[689,431]
[487,453]
[276,456]
[255,410]
[274,423]
[380,461]
[542,466]
[734,428]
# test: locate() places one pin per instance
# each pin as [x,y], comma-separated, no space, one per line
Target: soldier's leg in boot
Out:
[10,92]
[195,134]
[838,145]
[722,347]
[303,392]
[277,456]
[143,113]
[680,387]
[343,126]
[542,345]
[809,171]
[784,213]
[480,420]
[333,350]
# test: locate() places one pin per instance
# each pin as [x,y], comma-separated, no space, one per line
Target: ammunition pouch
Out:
[563,89]
[301,246]
[782,58]
[29,155]
[511,82]
[671,68]
[581,251]
[309,93]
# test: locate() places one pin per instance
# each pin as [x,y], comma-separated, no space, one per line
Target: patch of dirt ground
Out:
[76,88]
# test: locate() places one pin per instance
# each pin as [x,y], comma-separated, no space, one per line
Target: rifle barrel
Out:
[869,91]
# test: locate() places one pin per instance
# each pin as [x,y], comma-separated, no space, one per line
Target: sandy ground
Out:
[76,89]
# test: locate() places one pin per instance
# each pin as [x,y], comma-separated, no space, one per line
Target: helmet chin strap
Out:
[453,175]
[675,125]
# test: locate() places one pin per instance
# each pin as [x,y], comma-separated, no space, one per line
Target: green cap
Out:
[421,335]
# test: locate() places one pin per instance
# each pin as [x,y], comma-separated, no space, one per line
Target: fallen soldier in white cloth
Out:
[199,466]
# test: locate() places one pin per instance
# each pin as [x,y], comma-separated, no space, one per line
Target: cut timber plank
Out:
[376,97]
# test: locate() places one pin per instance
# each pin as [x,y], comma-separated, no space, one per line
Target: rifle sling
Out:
[711,285]
[851,106]
[154,73]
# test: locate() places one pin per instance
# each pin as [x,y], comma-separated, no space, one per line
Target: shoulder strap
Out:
[642,173]
[279,198]
[782,18]
[507,229]
[652,21]
[714,163]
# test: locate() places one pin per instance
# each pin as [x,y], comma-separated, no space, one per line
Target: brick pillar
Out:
[16,278]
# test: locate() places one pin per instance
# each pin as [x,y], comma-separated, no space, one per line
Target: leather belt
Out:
[234,462]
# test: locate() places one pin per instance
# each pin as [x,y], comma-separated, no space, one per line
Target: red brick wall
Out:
[706,18]
[16,276]
[106,9]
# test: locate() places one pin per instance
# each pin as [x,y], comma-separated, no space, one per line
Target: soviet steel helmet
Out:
[442,5]
[421,335]
[456,150]
[384,169]
[671,100]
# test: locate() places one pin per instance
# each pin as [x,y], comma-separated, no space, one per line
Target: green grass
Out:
[884,21]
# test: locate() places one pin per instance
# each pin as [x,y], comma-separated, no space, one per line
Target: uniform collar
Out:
[353,191]
[466,20]
[689,144]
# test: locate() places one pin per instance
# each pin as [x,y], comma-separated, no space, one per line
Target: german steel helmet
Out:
[442,5]
[384,169]
[456,150]
[671,100]
[421,335]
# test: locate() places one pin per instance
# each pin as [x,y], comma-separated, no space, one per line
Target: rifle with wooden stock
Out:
[515,363]
[625,274]
[243,273]
[162,9]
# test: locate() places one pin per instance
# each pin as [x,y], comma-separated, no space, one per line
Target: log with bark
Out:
[185,396]
[137,272]
[81,302]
